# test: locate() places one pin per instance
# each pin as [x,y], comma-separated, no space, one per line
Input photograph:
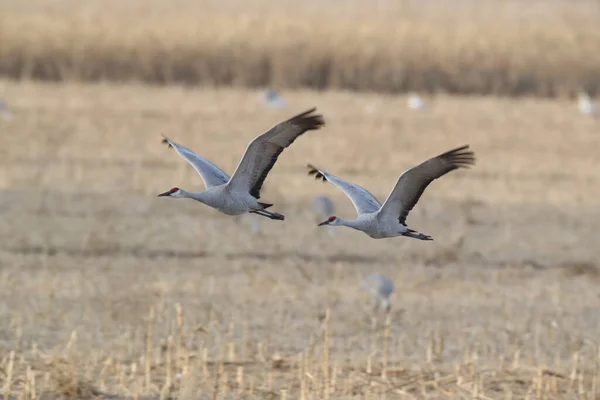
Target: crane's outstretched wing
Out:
[413,182]
[263,151]
[362,199]
[209,172]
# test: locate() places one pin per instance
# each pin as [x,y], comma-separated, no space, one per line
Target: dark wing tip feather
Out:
[315,171]
[456,158]
[165,140]
[459,157]
[307,121]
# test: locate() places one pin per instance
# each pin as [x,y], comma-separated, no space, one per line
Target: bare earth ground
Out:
[93,267]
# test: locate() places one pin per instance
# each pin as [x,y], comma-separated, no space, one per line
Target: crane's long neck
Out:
[351,223]
[202,197]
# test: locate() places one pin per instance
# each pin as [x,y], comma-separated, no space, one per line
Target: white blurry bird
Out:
[370,108]
[585,104]
[381,287]
[415,102]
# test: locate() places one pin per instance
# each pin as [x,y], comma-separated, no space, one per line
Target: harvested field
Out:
[107,290]
[542,48]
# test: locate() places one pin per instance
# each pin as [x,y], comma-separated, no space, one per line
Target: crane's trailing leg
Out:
[269,214]
[416,235]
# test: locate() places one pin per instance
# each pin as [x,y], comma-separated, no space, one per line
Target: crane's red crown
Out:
[331,219]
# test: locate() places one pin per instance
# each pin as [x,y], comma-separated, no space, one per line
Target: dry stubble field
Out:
[106,289]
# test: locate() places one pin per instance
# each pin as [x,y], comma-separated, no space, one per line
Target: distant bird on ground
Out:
[389,220]
[4,110]
[274,99]
[240,193]
[255,226]
[370,108]
[585,104]
[415,102]
[381,287]
[323,207]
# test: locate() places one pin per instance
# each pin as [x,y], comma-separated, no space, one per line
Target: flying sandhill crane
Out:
[381,287]
[389,220]
[240,193]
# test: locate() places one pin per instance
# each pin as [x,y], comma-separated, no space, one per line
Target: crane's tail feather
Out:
[416,235]
[265,205]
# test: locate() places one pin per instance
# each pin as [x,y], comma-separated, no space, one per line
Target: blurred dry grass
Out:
[107,290]
[545,48]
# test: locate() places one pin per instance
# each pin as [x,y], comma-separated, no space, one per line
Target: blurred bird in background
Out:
[381,288]
[274,99]
[585,104]
[323,207]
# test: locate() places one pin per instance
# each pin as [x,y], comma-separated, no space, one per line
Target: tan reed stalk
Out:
[326,350]
[149,355]
[9,375]
[178,337]
[386,345]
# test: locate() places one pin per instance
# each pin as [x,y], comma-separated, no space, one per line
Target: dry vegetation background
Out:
[509,47]
[109,292]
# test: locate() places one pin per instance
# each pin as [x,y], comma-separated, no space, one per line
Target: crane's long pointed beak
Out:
[168,193]
[324,223]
